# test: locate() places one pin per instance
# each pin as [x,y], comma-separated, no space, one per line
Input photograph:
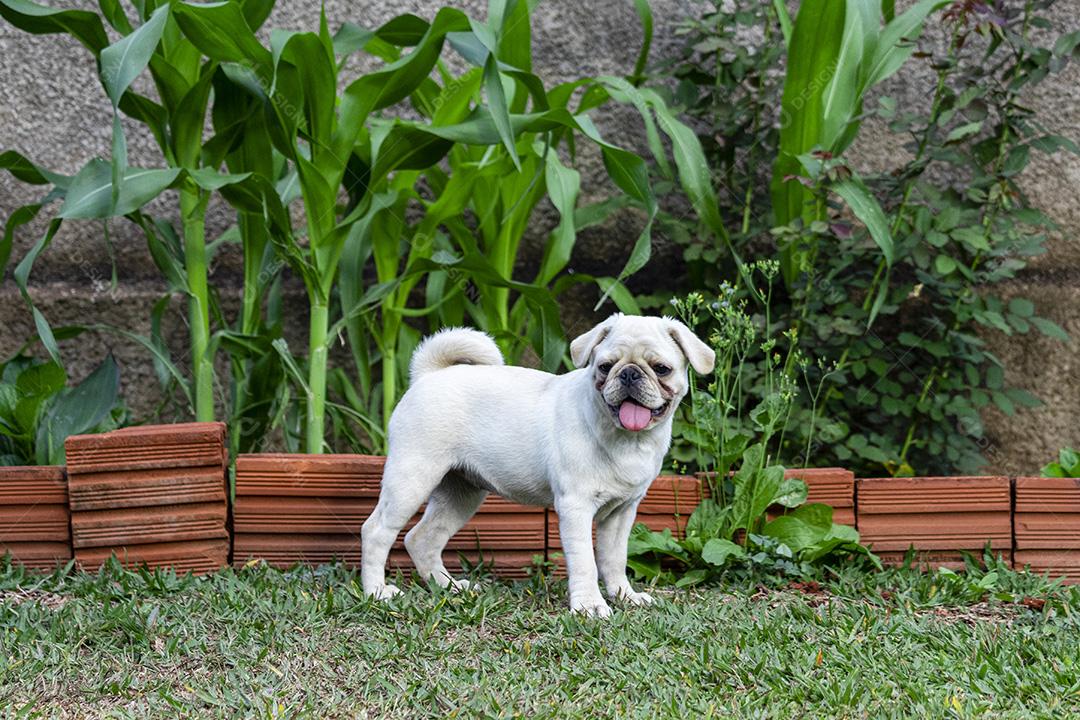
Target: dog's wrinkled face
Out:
[638,367]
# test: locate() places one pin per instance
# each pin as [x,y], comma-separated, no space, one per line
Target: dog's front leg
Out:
[612,534]
[575,531]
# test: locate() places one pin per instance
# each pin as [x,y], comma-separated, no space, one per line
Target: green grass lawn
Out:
[306,643]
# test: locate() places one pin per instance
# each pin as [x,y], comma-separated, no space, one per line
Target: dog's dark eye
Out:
[661,370]
[604,368]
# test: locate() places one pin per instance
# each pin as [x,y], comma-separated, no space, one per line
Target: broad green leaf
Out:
[41,380]
[944,264]
[719,552]
[77,411]
[644,541]
[801,528]
[792,493]
[1050,328]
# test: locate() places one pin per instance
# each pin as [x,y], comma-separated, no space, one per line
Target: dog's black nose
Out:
[629,375]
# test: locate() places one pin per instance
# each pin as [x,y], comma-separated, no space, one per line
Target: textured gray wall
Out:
[53,110]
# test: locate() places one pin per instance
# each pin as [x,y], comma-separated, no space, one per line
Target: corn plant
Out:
[480,207]
[837,51]
[342,140]
[183,79]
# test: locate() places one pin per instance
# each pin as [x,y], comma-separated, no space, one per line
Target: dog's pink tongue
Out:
[633,416]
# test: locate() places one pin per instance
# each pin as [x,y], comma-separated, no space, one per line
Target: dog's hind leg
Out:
[450,506]
[406,484]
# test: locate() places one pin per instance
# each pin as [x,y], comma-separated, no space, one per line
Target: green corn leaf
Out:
[866,207]
[620,294]
[644,12]
[841,99]
[22,276]
[813,52]
[784,18]
[397,80]
[622,91]
[20,217]
[892,49]
[120,64]
[563,186]
[26,171]
[83,25]
[114,14]
[514,32]
[221,32]
[694,174]
[500,111]
[125,59]
[91,192]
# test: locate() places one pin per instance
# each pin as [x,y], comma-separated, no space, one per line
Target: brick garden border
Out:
[155,496]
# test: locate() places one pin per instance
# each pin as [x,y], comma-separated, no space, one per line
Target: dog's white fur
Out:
[470,425]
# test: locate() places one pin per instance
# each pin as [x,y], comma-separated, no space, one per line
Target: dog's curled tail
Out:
[453,346]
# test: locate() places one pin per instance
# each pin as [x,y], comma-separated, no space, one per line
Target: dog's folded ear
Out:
[581,349]
[701,356]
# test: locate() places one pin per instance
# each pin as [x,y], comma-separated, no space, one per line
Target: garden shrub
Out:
[904,351]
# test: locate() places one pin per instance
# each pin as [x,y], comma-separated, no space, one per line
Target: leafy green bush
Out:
[1067,466]
[904,339]
[735,434]
[38,411]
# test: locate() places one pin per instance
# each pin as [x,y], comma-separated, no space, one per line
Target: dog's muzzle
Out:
[630,409]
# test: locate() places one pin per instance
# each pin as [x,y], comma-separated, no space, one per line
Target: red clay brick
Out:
[285,475]
[38,555]
[140,526]
[198,557]
[147,447]
[1057,563]
[34,517]
[935,514]
[147,488]
[38,485]
[26,523]
[1047,514]
[671,494]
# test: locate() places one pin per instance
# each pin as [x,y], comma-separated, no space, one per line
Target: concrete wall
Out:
[53,110]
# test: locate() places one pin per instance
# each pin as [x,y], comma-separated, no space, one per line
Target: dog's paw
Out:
[636,598]
[591,607]
[463,585]
[384,592]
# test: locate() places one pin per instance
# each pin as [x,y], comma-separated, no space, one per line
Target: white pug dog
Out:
[589,443]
